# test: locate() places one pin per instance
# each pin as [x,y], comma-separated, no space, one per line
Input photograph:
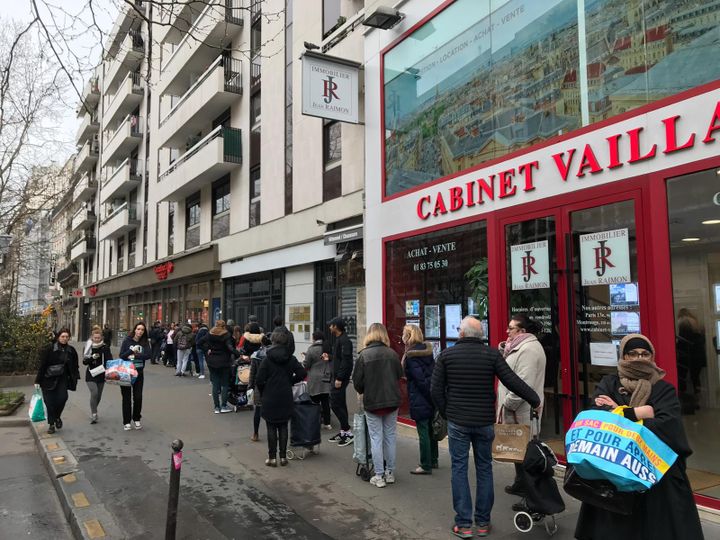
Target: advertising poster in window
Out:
[605,258]
[412,308]
[432,322]
[453,317]
[530,266]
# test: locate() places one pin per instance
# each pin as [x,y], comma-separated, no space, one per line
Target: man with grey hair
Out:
[463,389]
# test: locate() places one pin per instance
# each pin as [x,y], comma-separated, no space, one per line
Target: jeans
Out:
[201,362]
[460,438]
[277,433]
[338,403]
[96,390]
[383,437]
[428,445]
[182,360]
[220,378]
[324,401]
[136,391]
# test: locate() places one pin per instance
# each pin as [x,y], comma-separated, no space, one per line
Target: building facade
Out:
[557,158]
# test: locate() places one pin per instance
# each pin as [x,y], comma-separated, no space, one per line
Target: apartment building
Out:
[215,197]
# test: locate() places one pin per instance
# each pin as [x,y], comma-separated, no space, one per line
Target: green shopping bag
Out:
[37,409]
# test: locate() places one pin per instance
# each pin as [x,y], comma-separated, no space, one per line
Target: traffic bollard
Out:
[175,464]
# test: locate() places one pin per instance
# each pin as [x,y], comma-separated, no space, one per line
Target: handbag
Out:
[600,493]
[54,370]
[510,442]
[439,427]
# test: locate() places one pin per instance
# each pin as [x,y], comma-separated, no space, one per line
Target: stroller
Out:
[543,498]
[361,448]
[304,424]
[239,381]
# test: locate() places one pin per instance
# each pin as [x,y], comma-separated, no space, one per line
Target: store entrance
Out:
[574,269]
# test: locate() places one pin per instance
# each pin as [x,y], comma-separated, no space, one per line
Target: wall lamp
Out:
[383,18]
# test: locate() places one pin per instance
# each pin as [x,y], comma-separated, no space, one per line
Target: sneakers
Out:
[389,477]
[271,462]
[515,489]
[462,532]
[58,423]
[127,427]
[335,438]
[51,429]
[346,439]
[226,409]
[483,529]
[255,437]
[201,377]
[378,481]
[327,427]
[217,410]
[137,425]
[93,419]
[283,462]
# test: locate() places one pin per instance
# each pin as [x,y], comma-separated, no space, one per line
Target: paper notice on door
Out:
[603,354]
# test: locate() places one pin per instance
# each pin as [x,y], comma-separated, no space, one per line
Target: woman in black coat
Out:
[220,356]
[136,348]
[419,363]
[95,356]
[58,373]
[667,511]
[275,378]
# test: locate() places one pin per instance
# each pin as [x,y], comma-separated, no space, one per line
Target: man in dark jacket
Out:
[279,324]
[342,362]
[201,348]
[463,389]
[156,338]
[107,335]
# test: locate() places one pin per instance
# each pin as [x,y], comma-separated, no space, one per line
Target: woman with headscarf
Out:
[667,511]
[58,373]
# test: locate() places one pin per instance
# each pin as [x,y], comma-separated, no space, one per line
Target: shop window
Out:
[221,208]
[192,221]
[255,188]
[694,231]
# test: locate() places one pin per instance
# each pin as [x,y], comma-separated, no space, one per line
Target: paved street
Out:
[227,492]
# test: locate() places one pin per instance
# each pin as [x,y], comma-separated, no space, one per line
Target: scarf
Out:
[510,344]
[637,378]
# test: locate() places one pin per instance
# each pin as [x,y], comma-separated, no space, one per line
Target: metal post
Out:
[175,464]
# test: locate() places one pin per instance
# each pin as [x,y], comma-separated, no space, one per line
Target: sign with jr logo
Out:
[530,266]
[605,258]
[330,87]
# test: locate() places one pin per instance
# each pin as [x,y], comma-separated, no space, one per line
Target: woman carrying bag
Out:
[95,357]
[58,373]
[136,348]
[319,376]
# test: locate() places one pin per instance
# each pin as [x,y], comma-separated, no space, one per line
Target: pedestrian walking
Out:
[136,348]
[418,363]
[221,352]
[376,378]
[253,341]
[58,373]
[463,390]
[319,376]
[95,356]
[342,364]
[157,335]
[668,510]
[526,357]
[201,348]
[275,378]
[107,335]
[184,340]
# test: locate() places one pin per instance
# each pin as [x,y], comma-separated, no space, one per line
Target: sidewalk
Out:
[228,492]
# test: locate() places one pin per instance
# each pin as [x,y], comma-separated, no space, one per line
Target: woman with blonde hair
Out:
[419,363]
[95,357]
[377,377]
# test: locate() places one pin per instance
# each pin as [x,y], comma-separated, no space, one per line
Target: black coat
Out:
[275,378]
[157,335]
[139,358]
[377,377]
[251,343]
[54,354]
[665,512]
[342,358]
[463,383]
[221,350]
[419,365]
[104,354]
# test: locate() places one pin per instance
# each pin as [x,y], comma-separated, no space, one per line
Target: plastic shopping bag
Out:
[121,372]
[606,446]
[37,409]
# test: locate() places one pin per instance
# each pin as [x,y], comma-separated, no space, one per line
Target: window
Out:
[332,143]
[331,16]
[288,110]
[192,221]
[254,197]
[221,208]
[120,265]
[255,109]
[132,245]
[171,228]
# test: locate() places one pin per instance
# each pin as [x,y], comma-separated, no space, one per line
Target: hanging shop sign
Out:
[530,266]
[605,258]
[330,87]
[162,271]
[92,291]
[77,293]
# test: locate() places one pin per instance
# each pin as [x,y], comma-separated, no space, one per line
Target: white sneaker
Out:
[137,425]
[201,377]
[389,477]
[327,427]
[127,427]
[377,481]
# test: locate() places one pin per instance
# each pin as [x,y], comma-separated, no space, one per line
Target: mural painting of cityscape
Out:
[510,79]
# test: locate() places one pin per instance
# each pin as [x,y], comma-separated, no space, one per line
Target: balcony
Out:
[216,26]
[129,13]
[90,97]
[121,181]
[121,220]
[82,218]
[214,156]
[67,274]
[83,246]
[124,140]
[87,156]
[88,128]
[213,93]
[128,57]
[125,100]
[85,188]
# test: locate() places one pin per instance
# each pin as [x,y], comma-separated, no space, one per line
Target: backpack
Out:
[182,341]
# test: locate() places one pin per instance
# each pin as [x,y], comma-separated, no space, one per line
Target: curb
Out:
[87,516]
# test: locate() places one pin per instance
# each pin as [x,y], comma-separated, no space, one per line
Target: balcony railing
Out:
[255,73]
[67,273]
[232,148]
[255,10]
[135,127]
[135,170]
[232,68]
[131,210]
[136,87]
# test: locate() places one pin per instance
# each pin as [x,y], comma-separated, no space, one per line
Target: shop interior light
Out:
[711,222]
[691,239]
[383,18]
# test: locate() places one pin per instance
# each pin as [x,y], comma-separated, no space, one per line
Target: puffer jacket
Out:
[377,377]
[221,350]
[251,343]
[527,360]
[419,364]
